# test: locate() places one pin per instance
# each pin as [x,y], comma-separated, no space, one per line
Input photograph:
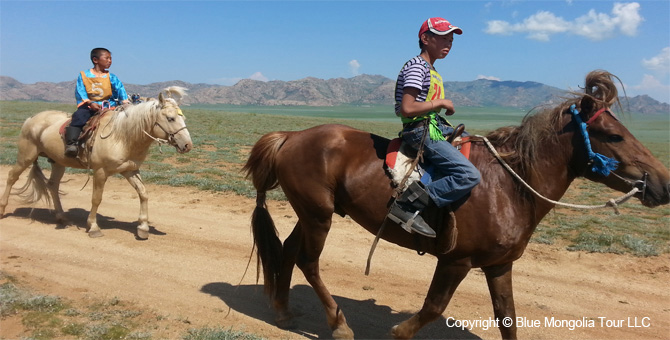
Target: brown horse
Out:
[121,143]
[336,169]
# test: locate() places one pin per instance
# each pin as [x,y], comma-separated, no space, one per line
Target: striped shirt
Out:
[415,73]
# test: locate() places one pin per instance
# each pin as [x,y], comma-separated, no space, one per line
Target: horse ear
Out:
[161,99]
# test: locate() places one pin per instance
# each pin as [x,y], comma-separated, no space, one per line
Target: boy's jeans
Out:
[454,175]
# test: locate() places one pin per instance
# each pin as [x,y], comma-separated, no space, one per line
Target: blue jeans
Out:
[455,176]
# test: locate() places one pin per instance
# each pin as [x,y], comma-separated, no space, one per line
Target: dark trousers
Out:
[81,116]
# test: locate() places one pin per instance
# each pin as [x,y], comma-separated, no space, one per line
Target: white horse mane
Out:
[131,122]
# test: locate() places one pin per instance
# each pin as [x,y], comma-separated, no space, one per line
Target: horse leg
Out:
[308,261]
[499,279]
[284,318]
[99,179]
[27,155]
[53,185]
[446,279]
[135,180]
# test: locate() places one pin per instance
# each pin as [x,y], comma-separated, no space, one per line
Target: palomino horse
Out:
[120,145]
[337,169]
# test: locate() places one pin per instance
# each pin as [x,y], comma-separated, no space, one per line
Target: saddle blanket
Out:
[400,156]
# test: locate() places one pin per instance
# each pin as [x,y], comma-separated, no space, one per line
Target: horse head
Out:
[629,163]
[170,122]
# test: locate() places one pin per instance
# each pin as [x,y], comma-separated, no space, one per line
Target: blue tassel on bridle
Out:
[600,163]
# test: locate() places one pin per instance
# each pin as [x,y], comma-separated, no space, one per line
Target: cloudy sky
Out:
[221,42]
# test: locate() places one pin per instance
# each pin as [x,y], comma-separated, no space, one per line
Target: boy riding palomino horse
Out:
[96,89]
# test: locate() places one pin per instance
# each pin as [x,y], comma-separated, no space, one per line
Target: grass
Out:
[47,317]
[224,134]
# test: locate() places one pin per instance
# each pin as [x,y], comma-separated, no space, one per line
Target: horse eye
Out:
[615,138]
[170,119]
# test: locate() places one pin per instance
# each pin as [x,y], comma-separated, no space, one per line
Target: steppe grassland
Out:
[224,134]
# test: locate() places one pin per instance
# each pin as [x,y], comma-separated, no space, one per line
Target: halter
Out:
[602,164]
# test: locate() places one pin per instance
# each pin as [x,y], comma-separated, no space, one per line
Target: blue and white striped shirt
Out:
[415,73]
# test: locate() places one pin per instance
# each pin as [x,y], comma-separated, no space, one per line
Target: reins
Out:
[611,203]
[396,193]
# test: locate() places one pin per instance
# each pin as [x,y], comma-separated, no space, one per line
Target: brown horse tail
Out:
[36,187]
[261,167]
[261,163]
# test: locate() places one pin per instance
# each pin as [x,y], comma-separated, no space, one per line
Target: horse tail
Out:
[261,167]
[36,187]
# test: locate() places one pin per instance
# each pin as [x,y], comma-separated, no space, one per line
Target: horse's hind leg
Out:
[314,235]
[135,180]
[53,185]
[446,279]
[27,154]
[499,279]
[284,318]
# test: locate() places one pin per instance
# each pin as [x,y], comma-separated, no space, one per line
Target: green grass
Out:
[48,317]
[224,134]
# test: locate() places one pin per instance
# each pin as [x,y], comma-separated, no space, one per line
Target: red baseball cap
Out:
[439,26]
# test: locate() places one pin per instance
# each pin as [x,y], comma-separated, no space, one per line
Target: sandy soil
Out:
[192,268]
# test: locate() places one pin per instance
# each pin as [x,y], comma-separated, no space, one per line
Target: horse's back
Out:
[331,149]
[37,124]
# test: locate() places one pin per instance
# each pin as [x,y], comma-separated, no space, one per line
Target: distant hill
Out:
[362,89]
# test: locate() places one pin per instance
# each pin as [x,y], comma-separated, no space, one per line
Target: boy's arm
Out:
[118,90]
[410,107]
[80,93]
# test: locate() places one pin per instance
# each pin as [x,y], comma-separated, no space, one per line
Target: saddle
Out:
[88,129]
[400,157]
[399,162]
[87,132]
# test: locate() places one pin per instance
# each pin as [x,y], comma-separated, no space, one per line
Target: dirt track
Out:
[199,247]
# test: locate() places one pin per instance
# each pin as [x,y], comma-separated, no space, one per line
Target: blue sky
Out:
[221,42]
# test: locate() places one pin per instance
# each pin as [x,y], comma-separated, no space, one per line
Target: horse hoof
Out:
[142,234]
[95,234]
[343,332]
[394,332]
[286,323]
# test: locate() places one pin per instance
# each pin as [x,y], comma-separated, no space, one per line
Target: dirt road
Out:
[199,246]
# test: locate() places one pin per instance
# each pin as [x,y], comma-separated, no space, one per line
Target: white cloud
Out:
[258,76]
[624,19]
[487,77]
[659,63]
[354,65]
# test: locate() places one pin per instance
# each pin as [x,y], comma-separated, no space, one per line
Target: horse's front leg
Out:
[499,279]
[446,279]
[99,180]
[135,180]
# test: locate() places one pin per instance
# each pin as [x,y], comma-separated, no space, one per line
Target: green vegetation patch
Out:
[223,135]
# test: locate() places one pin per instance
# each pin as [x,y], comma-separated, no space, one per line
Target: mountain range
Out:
[359,90]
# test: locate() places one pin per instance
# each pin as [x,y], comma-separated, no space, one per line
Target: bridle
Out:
[599,163]
[170,135]
[170,139]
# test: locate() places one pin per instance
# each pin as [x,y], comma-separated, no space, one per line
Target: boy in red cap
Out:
[419,96]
